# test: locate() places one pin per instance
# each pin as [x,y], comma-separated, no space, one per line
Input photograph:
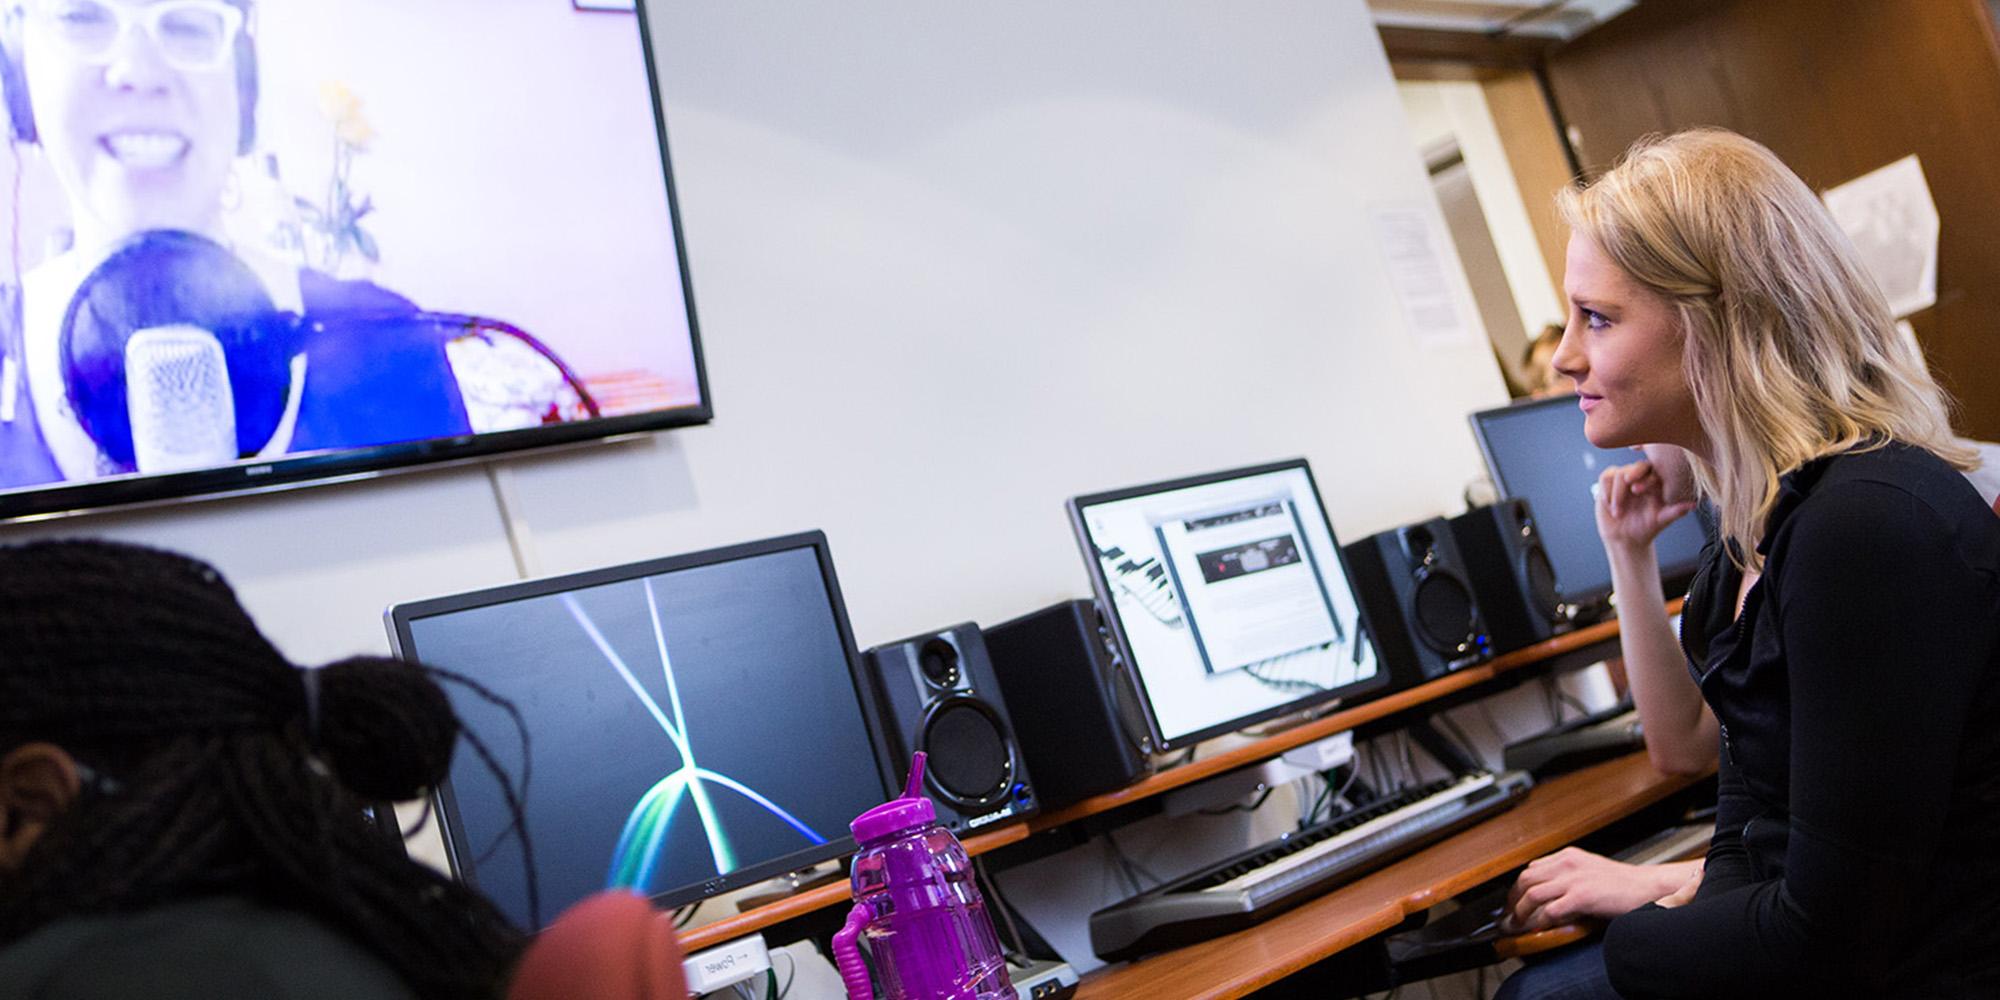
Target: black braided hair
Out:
[235,772]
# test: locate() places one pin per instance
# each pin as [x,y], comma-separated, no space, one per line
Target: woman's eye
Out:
[1595,320]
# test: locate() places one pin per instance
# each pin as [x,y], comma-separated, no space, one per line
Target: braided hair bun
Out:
[384,727]
[108,645]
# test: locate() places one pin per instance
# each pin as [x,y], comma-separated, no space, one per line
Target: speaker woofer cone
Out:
[1443,611]
[970,767]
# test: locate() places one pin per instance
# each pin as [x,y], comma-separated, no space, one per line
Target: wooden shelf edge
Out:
[819,898]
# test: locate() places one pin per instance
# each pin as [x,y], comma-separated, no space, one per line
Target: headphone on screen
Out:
[21,110]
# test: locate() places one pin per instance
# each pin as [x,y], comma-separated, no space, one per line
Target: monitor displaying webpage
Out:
[1231,597]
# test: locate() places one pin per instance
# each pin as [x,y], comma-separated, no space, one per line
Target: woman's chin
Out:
[1602,432]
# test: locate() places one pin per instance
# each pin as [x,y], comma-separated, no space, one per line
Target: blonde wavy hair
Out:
[1790,350]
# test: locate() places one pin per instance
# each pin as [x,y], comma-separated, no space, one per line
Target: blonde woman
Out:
[1845,631]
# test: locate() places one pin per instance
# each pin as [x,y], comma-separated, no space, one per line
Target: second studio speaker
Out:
[1082,728]
[1413,583]
[1510,573]
[938,694]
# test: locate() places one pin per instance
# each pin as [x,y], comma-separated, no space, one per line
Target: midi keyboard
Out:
[1267,880]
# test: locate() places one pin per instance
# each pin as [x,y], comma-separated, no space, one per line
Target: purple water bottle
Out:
[915,900]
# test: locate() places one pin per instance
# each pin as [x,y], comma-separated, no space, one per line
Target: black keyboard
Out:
[1265,881]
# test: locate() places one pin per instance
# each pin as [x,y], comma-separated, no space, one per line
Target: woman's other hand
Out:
[1574,884]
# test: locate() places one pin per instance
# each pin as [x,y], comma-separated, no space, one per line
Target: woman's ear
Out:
[38,781]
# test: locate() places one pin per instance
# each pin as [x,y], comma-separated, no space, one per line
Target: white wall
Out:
[955,263]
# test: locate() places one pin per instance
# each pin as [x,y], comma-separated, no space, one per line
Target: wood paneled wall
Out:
[1836,88]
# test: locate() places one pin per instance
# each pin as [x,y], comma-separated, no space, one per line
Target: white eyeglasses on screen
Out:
[189,34]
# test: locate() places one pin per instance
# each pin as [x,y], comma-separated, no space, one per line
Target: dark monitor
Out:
[1227,597]
[693,724]
[1537,451]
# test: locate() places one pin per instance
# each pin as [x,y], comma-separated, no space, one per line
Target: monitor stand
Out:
[789,884]
[1294,720]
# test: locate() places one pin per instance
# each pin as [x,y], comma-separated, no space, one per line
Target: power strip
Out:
[726,965]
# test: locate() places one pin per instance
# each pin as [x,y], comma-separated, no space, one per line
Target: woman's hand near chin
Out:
[1633,505]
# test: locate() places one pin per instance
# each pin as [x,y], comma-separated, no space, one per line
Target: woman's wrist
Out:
[1636,557]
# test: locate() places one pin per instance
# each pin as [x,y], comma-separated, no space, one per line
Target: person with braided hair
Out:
[181,808]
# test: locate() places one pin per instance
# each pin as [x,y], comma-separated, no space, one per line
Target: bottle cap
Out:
[910,811]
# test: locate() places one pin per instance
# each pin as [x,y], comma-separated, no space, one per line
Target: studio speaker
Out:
[1510,572]
[1073,702]
[1414,585]
[938,694]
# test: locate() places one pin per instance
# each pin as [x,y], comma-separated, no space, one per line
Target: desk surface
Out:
[1555,813]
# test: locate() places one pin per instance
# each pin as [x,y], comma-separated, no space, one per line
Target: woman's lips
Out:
[145,150]
[1588,402]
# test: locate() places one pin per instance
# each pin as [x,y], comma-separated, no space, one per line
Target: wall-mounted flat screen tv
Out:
[254,243]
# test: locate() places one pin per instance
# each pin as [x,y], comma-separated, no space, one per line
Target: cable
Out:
[992,889]
[423,818]
[1119,862]
[790,977]
[1571,700]
[1458,735]
[1549,700]
[1486,715]
[1328,796]
[684,915]
[1132,868]
[1375,768]
[1339,796]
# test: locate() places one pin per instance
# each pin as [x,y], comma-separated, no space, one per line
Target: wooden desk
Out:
[1555,813]
[835,894]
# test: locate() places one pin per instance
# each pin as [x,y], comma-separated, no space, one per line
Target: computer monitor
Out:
[693,724]
[1227,599]
[1537,450]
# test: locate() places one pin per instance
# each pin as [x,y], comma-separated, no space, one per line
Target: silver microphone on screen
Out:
[178,395]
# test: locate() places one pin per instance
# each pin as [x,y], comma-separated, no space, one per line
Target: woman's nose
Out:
[136,62]
[1569,361]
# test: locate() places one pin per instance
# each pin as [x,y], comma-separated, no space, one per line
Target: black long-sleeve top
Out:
[1857,844]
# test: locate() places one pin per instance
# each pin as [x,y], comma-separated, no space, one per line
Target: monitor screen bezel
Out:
[1672,575]
[1108,607]
[59,499]
[400,618]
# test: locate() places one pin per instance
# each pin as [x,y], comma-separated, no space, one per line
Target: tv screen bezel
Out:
[253,476]
[1108,607]
[400,617]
